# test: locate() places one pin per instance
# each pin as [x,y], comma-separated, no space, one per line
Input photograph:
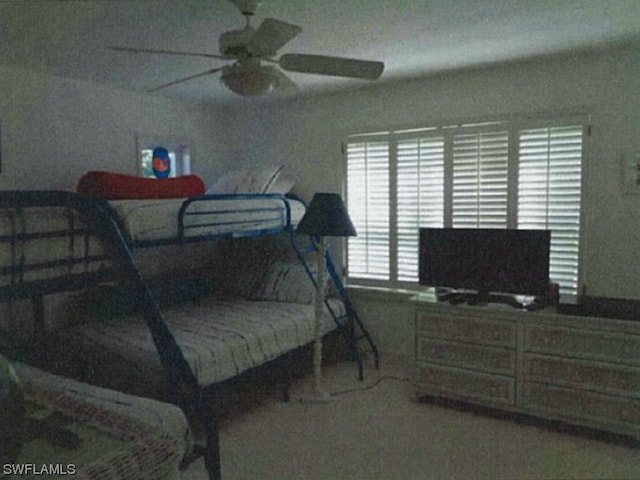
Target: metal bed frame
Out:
[93,221]
[190,220]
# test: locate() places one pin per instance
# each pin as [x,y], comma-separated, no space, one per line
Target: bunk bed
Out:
[53,242]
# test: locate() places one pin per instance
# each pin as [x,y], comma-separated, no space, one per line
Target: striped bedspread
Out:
[220,338]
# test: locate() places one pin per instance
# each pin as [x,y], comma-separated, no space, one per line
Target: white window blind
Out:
[420,193]
[549,190]
[480,164]
[496,174]
[368,200]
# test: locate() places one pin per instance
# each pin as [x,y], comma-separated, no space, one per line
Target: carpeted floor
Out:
[377,430]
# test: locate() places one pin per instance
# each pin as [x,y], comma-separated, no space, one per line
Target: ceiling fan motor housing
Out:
[247,7]
[233,43]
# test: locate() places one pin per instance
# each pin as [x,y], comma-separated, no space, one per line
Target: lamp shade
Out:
[326,216]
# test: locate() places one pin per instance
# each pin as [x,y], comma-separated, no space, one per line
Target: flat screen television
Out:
[485,260]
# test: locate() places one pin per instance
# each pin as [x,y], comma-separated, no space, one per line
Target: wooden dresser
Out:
[580,370]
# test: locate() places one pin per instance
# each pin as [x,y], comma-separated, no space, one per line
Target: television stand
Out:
[527,303]
[480,299]
[452,296]
[483,299]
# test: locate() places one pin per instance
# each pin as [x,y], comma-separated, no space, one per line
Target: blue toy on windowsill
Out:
[160,163]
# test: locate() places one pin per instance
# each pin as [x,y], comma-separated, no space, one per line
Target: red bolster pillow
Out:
[118,186]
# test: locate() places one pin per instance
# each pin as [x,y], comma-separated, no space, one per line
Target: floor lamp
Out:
[326,216]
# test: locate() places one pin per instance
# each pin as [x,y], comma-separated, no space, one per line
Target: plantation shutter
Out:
[503,173]
[549,191]
[368,203]
[480,179]
[420,197]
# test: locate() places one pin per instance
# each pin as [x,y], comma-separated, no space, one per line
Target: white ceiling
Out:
[412,37]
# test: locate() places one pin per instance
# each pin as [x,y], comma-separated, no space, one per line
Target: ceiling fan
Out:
[250,49]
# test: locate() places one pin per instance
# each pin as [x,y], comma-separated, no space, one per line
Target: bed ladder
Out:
[349,323]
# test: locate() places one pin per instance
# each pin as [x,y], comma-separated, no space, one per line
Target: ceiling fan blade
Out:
[186,79]
[166,52]
[336,66]
[270,36]
[285,84]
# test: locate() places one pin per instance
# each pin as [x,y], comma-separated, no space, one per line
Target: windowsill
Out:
[381,293]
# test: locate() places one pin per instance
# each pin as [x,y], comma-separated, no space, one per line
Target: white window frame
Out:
[180,153]
[513,125]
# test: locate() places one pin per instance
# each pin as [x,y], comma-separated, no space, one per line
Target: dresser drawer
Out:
[466,385]
[498,360]
[586,408]
[579,370]
[607,377]
[467,329]
[569,342]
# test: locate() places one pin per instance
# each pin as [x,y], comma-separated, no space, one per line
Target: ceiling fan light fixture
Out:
[249,82]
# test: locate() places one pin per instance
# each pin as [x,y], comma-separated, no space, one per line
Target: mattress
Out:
[121,436]
[219,337]
[157,220]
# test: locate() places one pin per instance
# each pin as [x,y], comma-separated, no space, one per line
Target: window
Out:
[499,174]
[479,189]
[179,155]
[420,194]
[550,167]
[368,185]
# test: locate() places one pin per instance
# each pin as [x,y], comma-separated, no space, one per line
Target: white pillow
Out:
[228,183]
[282,185]
[288,282]
[246,181]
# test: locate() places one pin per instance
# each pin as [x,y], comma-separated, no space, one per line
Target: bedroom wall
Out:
[52,130]
[55,129]
[307,135]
